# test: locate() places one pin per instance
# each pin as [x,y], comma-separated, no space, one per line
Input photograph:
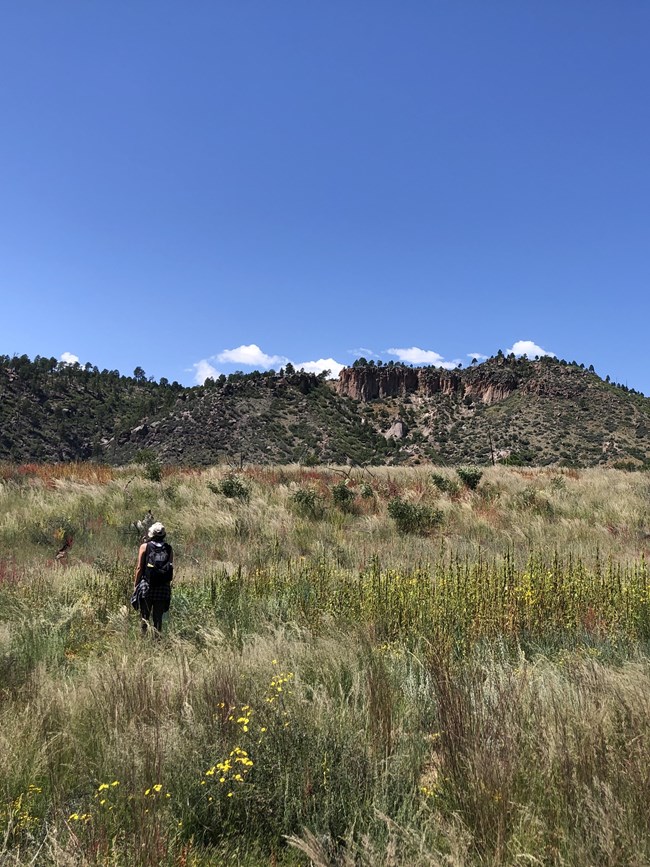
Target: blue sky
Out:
[209,186]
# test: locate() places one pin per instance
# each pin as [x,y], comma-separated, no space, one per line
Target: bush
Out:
[153,471]
[307,503]
[150,464]
[524,457]
[343,496]
[413,517]
[231,487]
[444,484]
[366,491]
[470,476]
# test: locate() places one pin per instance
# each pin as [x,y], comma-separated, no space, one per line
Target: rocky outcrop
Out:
[397,430]
[369,382]
[377,383]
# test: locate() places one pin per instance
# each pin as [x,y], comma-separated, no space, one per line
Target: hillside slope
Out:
[263,419]
[507,410]
[55,412]
[515,410]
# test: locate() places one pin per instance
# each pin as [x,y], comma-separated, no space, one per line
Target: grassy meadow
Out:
[404,666]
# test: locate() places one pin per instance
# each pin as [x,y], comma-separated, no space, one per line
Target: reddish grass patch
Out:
[48,474]
[9,575]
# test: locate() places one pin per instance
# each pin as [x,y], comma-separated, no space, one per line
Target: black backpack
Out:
[158,566]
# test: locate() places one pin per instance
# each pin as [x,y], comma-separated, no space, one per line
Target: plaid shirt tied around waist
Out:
[148,593]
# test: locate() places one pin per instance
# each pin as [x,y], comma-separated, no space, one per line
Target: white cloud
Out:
[322,364]
[414,355]
[204,370]
[251,356]
[527,347]
[477,355]
[69,358]
[363,352]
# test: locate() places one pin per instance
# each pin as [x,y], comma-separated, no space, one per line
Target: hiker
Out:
[153,575]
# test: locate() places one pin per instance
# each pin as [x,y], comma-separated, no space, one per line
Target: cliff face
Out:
[483,385]
[523,411]
[377,383]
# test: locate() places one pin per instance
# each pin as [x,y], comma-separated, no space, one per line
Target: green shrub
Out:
[444,484]
[470,476]
[231,487]
[522,458]
[153,471]
[150,464]
[366,491]
[343,496]
[306,502]
[414,517]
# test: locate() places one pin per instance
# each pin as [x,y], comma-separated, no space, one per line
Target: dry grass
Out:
[476,696]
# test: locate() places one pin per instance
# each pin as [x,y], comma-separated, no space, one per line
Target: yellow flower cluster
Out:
[104,800]
[154,793]
[241,718]
[278,685]
[233,770]
[155,790]
[18,813]
[432,788]
[103,790]
[80,817]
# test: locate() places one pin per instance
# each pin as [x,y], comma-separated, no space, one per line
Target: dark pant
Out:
[153,611]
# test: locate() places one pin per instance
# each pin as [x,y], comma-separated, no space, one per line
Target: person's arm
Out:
[139,567]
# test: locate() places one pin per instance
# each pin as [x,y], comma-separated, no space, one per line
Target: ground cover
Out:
[334,686]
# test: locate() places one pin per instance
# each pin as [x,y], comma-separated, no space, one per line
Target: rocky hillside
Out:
[509,410]
[258,418]
[55,412]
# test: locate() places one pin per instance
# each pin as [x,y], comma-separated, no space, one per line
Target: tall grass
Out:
[328,690]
